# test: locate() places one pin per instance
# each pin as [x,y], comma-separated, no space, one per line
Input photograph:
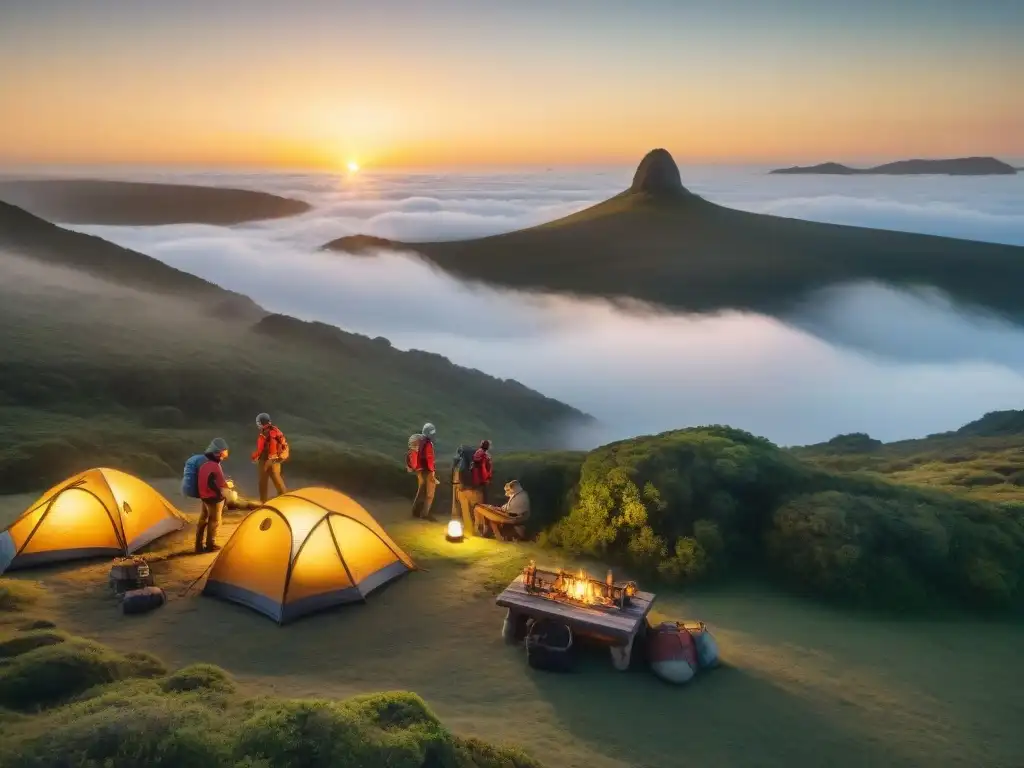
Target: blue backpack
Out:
[190,477]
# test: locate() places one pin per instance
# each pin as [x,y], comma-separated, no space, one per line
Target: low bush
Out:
[199,677]
[15,645]
[173,721]
[52,674]
[706,502]
[17,595]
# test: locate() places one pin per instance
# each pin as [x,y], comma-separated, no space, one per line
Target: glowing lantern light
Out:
[454,533]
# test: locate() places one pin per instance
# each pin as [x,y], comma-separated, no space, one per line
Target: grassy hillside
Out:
[983,459]
[676,249]
[109,356]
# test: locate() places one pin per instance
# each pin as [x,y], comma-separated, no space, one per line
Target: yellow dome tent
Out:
[100,512]
[304,551]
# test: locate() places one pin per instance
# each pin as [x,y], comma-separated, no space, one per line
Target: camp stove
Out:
[130,573]
[578,588]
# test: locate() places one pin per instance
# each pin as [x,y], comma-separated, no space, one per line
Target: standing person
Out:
[213,488]
[426,475]
[483,469]
[271,450]
[470,487]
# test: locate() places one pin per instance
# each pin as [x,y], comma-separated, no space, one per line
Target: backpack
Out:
[462,466]
[549,646]
[190,477]
[283,449]
[412,457]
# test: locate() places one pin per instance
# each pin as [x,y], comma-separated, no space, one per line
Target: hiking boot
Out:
[213,548]
[431,518]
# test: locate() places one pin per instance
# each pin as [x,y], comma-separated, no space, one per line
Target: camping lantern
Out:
[454,533]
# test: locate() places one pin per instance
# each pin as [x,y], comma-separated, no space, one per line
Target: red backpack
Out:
[415,453]
[275,434]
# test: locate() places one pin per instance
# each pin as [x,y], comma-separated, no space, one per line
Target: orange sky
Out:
[316,89]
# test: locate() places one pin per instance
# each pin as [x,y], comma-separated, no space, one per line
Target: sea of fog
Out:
[856,358]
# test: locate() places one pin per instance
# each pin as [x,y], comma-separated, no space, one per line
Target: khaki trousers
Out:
[209,522]
[426,484]
[270,472]
[468,497]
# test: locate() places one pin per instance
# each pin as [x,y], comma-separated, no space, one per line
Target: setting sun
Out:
[353,166]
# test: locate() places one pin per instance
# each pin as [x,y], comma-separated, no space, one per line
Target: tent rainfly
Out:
[305,551]
[100,512]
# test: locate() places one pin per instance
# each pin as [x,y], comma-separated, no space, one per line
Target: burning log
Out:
[578,588]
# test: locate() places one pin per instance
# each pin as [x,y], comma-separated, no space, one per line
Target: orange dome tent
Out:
[305,551]
[100,512]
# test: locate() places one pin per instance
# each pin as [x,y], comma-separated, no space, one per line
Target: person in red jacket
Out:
[212,492]
[483,468]
[426,476]
[268,457]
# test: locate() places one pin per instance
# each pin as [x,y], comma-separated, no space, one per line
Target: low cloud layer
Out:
[864,358]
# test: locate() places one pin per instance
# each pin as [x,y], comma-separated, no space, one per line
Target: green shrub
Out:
[898,551]
[17,595]
[199,677]
[705,502]
[15,645]
[146,730]
[28,626]
[122,722]
[51,674]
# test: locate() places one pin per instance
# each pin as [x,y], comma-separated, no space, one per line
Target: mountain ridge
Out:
[683,252]
[133,203]
[958,166]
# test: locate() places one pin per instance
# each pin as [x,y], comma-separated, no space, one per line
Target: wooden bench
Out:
[616,628]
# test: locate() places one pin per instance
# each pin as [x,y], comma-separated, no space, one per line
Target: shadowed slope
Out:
[129,203]
[107,352]
[657,242]
[25,234]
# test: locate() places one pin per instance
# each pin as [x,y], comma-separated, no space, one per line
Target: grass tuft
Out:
[52,674]
[17,595]
[23,642]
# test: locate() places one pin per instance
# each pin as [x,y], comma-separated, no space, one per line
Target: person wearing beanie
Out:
[426,475]
[212,489]
[271,450]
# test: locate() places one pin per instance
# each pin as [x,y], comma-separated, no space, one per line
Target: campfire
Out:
[578,588]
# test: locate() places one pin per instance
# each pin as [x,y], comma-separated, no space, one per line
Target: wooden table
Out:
[618,628]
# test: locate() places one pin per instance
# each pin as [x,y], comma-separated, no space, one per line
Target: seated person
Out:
[515,511]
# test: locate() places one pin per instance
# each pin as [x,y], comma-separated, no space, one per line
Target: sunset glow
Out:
[261,84]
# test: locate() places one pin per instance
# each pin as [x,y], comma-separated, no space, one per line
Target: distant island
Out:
[959,166]
[359,245]
[129,203]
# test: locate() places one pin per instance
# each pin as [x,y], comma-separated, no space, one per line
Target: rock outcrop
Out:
[658,176]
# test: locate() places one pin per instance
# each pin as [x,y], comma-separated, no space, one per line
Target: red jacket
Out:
[427,456]
[483,469]
[268,444]
[211,481]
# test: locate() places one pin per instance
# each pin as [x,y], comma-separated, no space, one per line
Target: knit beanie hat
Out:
[217,445]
